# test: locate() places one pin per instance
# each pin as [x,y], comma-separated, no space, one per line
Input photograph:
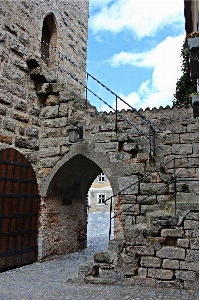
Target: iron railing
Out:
[152,125]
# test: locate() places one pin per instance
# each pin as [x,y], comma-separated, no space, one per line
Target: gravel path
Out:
[47,280]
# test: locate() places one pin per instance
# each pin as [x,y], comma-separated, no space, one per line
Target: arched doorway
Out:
[49,41]
[19,203]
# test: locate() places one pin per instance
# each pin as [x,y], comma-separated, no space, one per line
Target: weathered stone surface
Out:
[160,273]
[193,216]
[140,250]
[49,162]
[192,233]
[5,139]
[185,275]
[118,157]
[194,243]
[182,149]
[148,188]
[191,224]
[50,111]
[23,117]
[142,272]
[51,151]
[184,243]
[170,264]
[175,284]
[155,242]
[106,147]
[32,132]
[128,185]
[191,266]
[9,125]
[151,262]
[23,143]
[192,255]
[102,257]
[131,209]
[179,232]
[171,253]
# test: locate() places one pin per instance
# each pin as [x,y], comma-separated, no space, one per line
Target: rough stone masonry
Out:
[156,239]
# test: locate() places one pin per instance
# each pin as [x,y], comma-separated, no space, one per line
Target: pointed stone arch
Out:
[63,209]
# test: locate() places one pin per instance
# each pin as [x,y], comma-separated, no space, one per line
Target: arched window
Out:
[49,41]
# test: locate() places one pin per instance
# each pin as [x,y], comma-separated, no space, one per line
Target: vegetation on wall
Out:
[185,86]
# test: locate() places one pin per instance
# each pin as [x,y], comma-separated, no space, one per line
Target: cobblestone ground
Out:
[48,280]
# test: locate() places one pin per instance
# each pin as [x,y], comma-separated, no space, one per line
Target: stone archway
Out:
[63,215]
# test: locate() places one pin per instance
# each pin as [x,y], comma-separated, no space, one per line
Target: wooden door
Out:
[19,201]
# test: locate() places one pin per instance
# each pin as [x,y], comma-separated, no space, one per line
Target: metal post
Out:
[116,116]
[86,89]
[174,183]
[110,219]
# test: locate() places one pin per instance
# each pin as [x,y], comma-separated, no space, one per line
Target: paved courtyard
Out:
[48,280]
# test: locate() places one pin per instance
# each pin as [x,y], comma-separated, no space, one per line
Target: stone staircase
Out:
[164,251]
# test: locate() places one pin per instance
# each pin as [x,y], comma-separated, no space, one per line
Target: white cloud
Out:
[166,64]
[99,39]
[96,4]
[142,18]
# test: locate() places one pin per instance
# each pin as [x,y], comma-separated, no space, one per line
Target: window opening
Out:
[101,198]
[101,177]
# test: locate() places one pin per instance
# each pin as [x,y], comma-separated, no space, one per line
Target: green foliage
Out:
[185,85]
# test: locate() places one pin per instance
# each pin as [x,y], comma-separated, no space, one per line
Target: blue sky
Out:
[134,49]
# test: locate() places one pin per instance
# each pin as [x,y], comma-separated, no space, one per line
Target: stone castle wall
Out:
[39,103]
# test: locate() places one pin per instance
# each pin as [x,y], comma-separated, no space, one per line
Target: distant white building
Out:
[99,191]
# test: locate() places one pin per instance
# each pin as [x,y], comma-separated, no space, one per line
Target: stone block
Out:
[51,151]
[51,100]
[63,110]
[106,147]
[146,200]
[174,284]
[50,111]
[130,146]
[105,137]
[184,243]
[32,132]
[170,264]
[107,127]
[192,216]
[3,110]
[9,125]
[142,272]
[191,266]
[5,139]
[128,185]
[43,89]
[149,188]
[192,233]
[178,232]
[150,262]
[155,242]
[131,209]
[171,253]
[142,282]
[128,199]
[194,243]
[133,168]
[115,245]
[19,104]
[192,255]
[140,219]
[133,234]
[188,138]
[185,275]
[182,149]
[140,250]
[190,224]
[23,143]
[65,149]
[19,116]
[118,157]
[102,257]
[49,162]
[160,273]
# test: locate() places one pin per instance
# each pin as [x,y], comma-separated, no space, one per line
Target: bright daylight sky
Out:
[134,49]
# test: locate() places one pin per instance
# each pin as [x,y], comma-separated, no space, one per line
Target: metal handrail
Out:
[57,64]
